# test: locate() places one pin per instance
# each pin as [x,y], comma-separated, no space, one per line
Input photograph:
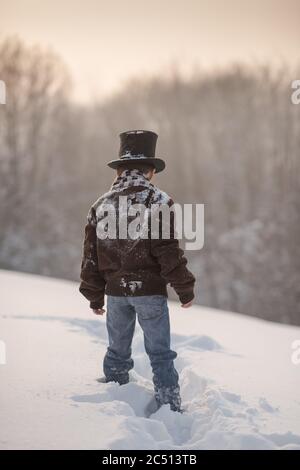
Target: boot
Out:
[121,379]
[169,395]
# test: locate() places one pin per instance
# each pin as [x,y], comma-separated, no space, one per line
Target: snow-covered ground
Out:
[240,388]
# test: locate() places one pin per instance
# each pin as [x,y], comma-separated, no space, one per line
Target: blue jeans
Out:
[153,316]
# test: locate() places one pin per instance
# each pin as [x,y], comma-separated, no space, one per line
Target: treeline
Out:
[230,139]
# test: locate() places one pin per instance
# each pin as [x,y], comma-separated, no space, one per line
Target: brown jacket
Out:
[125,267]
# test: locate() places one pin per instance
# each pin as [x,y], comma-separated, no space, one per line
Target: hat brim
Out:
[158,163]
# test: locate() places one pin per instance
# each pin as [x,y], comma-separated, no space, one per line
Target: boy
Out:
[134,272]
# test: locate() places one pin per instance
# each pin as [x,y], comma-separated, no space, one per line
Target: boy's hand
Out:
[98,311]
[189,304]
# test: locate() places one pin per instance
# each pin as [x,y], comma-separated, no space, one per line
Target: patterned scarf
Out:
[131,178]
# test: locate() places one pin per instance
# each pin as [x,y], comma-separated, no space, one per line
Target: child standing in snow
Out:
[134,273]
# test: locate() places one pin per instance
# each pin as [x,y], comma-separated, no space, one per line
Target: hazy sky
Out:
[104,42]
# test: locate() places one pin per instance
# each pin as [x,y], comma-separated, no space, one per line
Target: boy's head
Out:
[147,169]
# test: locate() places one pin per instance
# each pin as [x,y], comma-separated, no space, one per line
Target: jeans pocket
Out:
[152,307]
[157,300]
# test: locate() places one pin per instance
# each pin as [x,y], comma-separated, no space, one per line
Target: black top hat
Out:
[138,146]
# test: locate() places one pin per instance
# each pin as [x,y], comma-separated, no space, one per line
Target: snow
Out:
[132,285]
[239,386]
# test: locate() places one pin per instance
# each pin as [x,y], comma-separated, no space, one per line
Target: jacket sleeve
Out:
[173,262]
[92,283]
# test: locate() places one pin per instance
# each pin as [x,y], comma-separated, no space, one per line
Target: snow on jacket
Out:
[132,267]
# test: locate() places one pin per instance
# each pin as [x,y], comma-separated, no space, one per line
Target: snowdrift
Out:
[239,386]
